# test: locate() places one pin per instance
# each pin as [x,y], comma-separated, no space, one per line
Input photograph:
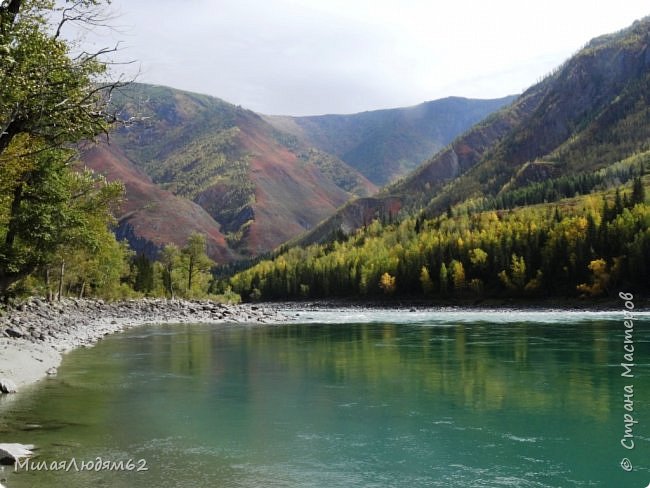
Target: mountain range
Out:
[590,112]
[386,144]
[546,198]
[250,182]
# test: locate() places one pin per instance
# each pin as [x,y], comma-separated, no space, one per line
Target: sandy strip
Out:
[26,362]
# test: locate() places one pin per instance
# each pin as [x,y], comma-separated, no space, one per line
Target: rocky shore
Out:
[34,333]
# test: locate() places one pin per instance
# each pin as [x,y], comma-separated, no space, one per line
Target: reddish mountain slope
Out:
[290,197]
[261,186]
[152,217]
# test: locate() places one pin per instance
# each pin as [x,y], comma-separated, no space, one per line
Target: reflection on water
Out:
[374,404]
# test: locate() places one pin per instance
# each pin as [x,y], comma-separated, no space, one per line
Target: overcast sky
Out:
[300,57]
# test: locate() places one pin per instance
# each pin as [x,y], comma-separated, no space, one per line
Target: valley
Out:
[261,180]
[531,191]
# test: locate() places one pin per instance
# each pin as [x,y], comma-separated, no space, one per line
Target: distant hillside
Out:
[386,144]
[591,112]
[257,190]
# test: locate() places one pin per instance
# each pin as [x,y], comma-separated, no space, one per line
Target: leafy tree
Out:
[87,214]
[45,92]
[388,283]
[600,279]
[478,257]
[197,262]
[101,271]
[476,285]
[638,191]
[170,259]
[255,295]
[48,100]
[33,209]
[444,278]
[533,286]
[516,278]
[50,210]
[458,275]
[618,202]
[143,274]
[425,281]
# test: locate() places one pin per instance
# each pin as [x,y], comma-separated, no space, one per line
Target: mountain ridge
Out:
[388,143]
[565,120]
[260,185]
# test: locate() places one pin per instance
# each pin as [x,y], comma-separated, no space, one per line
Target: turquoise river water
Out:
[346,399]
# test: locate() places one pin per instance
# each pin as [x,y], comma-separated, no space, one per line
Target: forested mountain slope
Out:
[589,113]
[546,197]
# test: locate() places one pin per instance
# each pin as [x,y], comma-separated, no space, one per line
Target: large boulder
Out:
[7,386]
[10,453]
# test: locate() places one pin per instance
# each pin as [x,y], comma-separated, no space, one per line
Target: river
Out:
[346,398]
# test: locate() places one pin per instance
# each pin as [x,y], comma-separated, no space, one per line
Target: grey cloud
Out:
[307,57]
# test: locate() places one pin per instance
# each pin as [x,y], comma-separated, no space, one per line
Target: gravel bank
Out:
[34,334]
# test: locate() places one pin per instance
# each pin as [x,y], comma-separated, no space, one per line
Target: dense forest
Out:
[587,245]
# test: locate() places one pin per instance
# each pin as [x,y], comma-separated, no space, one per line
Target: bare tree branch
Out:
[79,13]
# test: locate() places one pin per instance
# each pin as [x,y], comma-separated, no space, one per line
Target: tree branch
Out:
[83,13]
[12,129]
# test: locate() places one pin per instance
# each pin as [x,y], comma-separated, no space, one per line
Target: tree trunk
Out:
[61,275]
[5,282]
[171,283]
[48,284]
[11,130]
[12,226]
[8,278]
[190,271]
[8,13]
[14,7]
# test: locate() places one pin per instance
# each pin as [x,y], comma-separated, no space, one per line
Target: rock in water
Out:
[7,386]
[10,453]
